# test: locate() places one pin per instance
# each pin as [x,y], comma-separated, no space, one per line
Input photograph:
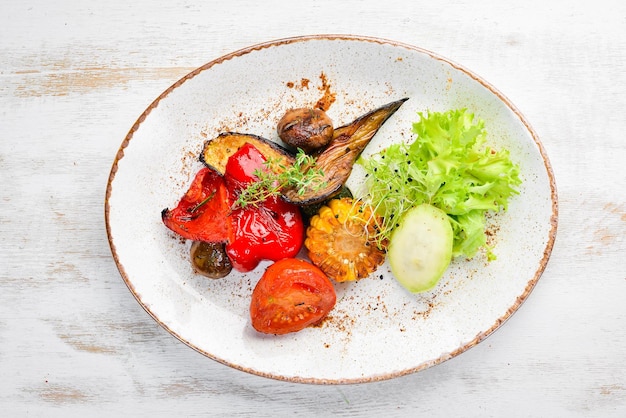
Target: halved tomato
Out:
[291,295]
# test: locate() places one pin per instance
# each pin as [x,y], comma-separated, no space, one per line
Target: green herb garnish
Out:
[276,176]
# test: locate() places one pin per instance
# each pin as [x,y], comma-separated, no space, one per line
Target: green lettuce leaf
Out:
[449,167]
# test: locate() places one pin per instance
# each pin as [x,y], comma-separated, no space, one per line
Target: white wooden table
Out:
[75,75]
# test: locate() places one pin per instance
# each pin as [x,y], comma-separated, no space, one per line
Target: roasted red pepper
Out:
[201,213]
[270,230]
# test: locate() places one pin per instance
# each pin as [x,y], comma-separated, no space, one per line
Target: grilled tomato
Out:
[291,295]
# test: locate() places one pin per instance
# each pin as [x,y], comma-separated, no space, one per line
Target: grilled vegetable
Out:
[341,240]
[210,259]
[420,248]
[337,159]
[270,230]
[216,152]
[305,128]
[291,295]
[274,176]
[201,212]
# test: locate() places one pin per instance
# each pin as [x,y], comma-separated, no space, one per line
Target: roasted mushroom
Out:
[210,259]
[305,128]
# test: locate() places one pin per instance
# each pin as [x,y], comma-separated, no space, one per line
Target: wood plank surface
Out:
[74,77]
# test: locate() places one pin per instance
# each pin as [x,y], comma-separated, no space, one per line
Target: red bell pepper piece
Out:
[271,230]
[202,211]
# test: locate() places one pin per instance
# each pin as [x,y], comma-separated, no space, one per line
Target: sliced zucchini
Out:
[420,248]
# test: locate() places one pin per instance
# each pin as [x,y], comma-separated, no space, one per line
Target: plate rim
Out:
[356,38]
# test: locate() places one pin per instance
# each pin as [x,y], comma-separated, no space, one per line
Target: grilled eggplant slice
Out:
[337,159]
[216,152]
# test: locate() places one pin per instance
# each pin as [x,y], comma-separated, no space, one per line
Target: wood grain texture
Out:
[74,77]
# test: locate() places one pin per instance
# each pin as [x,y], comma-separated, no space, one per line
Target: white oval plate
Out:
[377,330]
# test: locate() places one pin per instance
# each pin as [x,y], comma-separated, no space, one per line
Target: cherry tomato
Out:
[291,295]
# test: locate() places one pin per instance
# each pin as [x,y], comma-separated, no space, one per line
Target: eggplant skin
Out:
[308,211]
[215,152]
[338,158]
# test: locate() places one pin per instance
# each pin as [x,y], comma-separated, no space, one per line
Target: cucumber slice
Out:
[420,248]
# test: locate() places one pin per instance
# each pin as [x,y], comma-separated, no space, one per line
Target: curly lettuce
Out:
[449,166]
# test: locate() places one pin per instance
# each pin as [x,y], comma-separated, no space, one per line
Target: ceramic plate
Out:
[377,330]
